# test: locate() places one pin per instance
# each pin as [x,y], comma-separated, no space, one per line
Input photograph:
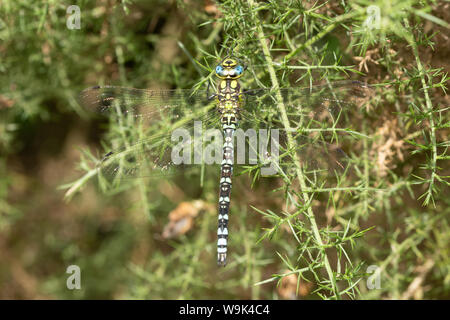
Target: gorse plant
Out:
[379,229]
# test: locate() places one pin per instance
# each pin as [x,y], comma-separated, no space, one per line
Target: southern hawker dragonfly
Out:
[312,121]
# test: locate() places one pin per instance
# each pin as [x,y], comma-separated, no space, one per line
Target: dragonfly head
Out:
[229,68]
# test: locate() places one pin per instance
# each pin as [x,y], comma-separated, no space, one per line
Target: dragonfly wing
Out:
[167,112]
[322,163]
[175,151]
[318,103]
[143,103]
[317,118]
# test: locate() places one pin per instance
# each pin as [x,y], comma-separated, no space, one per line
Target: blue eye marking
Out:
[239,69]
[219,69]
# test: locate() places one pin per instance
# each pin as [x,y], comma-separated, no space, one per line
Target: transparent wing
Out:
[143,103]
[322,163]
[313,113]
[170,112]
[178,150]
[318,121]
[323,103]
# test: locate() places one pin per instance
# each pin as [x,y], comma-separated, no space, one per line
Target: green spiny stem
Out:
[291,144]
[429,112]
[323,33]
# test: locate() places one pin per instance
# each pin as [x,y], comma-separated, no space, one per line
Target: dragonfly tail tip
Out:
[222,259]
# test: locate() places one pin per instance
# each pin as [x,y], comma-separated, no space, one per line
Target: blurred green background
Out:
[116,236]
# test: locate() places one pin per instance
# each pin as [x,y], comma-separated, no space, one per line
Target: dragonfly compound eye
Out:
[219,70]
[238,70]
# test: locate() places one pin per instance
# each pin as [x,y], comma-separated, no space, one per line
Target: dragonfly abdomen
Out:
[225,193]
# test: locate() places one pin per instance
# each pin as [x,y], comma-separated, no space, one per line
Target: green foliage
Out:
[392,212]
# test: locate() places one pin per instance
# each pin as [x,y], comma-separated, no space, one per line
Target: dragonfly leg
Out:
[209,97]
[252,92]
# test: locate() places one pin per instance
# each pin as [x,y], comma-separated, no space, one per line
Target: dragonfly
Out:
[311,111]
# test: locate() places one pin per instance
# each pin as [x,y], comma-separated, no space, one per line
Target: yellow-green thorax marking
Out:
[229,99]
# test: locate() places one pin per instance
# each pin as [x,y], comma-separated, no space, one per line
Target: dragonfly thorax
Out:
[229,95]
[229,99]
